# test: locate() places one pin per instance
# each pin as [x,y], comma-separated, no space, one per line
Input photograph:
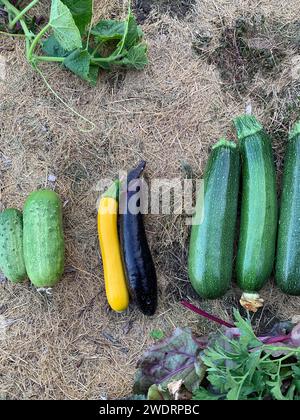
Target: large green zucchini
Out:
[256,249]
[212,239]
[288,248]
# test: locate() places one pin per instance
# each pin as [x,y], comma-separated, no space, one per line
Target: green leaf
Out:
[52,48]
[79,62]
[133,33]
[82,12]
[64,27]
[136,57]
[203,394]
[276,390]
[108,30]
[248,338]
[156,393]
[157,334]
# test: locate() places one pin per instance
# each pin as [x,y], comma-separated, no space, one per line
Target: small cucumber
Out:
[43,238]
[256,248]
[11,245]
[211,244]
[288,248]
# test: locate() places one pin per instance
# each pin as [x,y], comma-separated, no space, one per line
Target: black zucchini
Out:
[138,263]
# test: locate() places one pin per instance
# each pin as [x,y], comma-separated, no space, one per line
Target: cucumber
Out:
[257,242]
[211,244]
[43,238]
[11,245]
[288,248]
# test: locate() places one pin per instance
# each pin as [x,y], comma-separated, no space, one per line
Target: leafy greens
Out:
[232,364]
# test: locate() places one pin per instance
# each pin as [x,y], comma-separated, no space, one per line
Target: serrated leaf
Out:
[64,27]
[247,338]
[52,48]
[133,33]
[203,394]
[82,12]
[108,30]
[276,390]
[79,62]
[136,57]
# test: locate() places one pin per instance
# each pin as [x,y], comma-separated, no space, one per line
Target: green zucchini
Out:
[257,242]
[212,239]
[43,238]
[288,247]
[11,245]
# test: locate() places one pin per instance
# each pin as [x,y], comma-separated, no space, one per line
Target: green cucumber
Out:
[212,239]
[43,238]
[288,248]
[256,248]
[11,245]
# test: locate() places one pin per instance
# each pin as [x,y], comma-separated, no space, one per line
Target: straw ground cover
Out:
[208,60]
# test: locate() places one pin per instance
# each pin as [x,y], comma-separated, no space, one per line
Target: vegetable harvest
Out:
[114,276]
[211,244]
[256,249]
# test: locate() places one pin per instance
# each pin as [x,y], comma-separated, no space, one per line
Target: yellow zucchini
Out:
[114,275]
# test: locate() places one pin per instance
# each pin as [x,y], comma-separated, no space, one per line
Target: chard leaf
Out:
[136,57]
[52,48]
[108,30]
[64,27]
[82,12]
[177,357]
[79,62]
[156,393]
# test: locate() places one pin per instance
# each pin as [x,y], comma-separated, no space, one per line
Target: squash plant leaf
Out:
[133,33]
[52,48]
[79,62]
[82,12]
[108,30]
[136,57]
[63,25]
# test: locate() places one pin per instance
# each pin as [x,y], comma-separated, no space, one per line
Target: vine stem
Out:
[93,125]
[47,59]
[36,41]
[22,13]
[15,11]
[12,35]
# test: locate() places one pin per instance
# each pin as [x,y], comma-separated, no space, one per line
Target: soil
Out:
[175,8]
